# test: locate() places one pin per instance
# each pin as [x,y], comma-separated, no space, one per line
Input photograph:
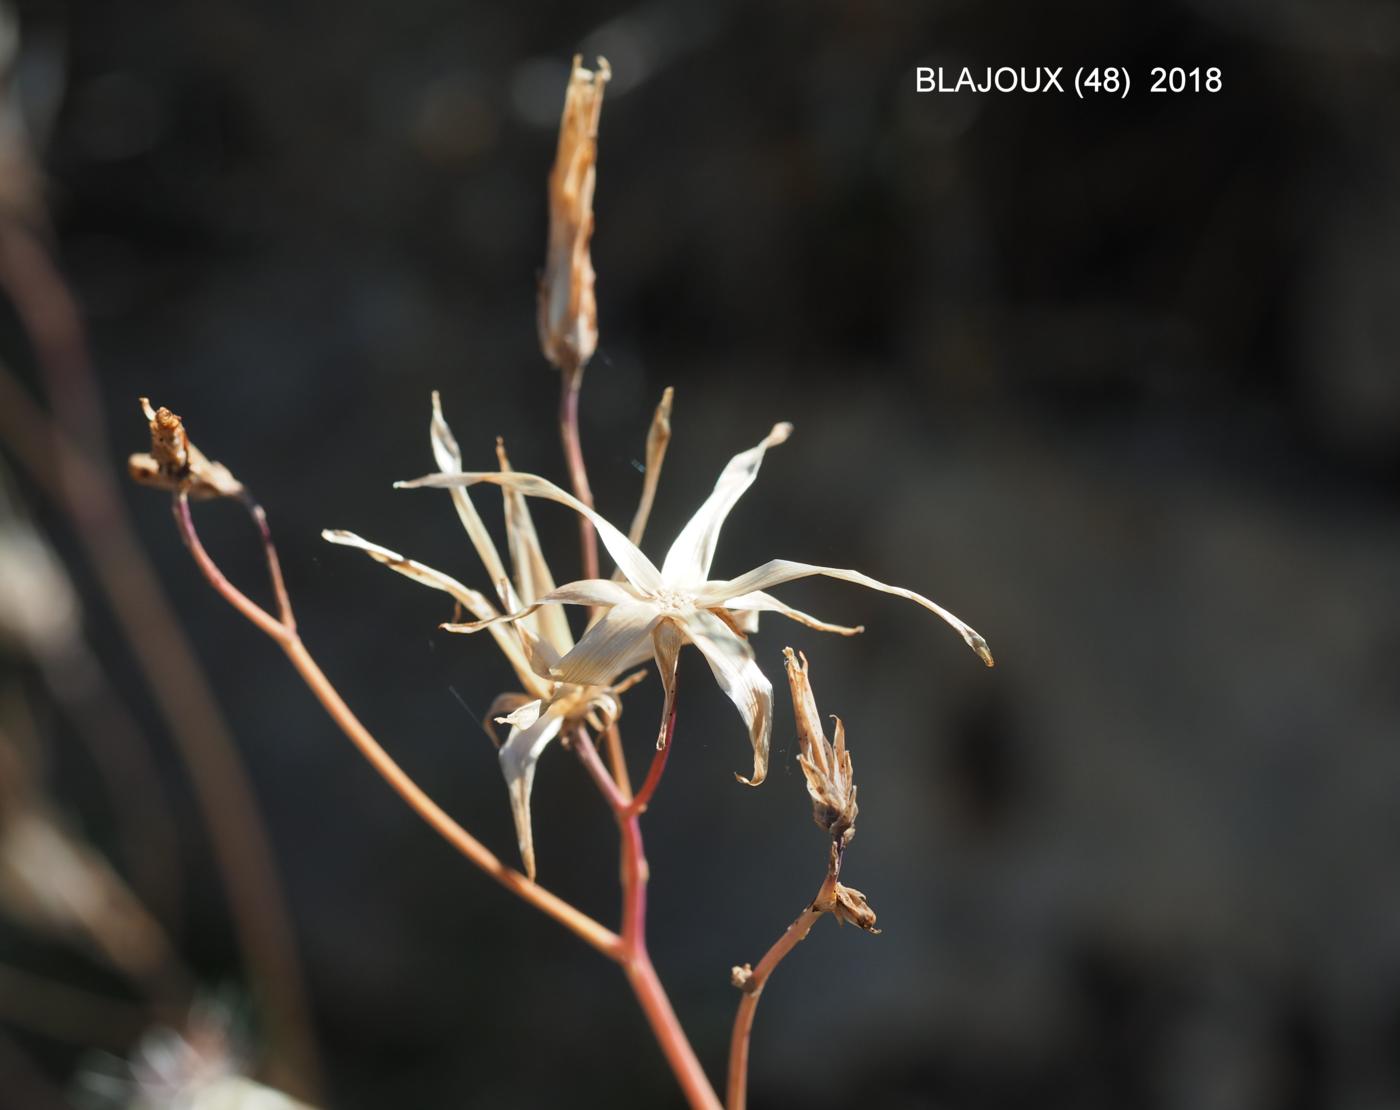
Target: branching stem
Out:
[634,956]
[284,634]
[752,986]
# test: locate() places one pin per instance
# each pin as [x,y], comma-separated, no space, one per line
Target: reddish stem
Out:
[638,805]
[752,986]
[634,956]
[578,474]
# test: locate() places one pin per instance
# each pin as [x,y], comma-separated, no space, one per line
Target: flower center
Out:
[674,601]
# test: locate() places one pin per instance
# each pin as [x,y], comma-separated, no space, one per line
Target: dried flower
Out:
[200,1067]
[39,610]
[568,312]
[827,767]
[176,464]
[654,612]
[532,646]
[849,907]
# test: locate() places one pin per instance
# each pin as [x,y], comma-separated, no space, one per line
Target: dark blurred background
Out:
[1115,380]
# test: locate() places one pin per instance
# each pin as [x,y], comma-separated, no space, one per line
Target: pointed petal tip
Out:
[757,780]
[979,645]
[780,433]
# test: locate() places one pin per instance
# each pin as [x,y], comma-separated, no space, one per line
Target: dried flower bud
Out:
[741,977]
[176,464]
[568,313]
[849,907]
[826,766]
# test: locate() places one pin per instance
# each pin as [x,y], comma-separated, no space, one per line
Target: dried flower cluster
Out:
[655,611]
[572,687]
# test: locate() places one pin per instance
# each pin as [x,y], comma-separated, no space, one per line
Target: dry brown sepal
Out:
[176,464]
[849,907]
[568,312]
[826,766]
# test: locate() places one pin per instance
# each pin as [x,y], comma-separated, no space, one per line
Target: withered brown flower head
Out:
[176,464]
[826,766]
[568,312]
[849,907]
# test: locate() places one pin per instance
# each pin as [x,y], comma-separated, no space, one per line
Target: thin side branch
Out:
[286,637]
[751,982]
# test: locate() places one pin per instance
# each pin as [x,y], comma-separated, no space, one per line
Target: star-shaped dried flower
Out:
[826,766]
[546,705]
[568,311]
[176,464]
[655,611]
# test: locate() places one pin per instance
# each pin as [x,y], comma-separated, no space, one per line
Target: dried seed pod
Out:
[568,312]
[849,907]
[826,766]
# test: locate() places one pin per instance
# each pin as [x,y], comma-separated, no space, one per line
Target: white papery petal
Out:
[473,602]
[596,592]
[688,561]
[532,576]
[756,601]
[667,640]
[449,460]
[637,568]
[777,571]
[518,755]
[732,662]
[523,717]
[621,638]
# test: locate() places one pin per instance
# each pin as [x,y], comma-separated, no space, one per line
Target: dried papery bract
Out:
[176,464]
[850,907]
[826,766]
[568,312]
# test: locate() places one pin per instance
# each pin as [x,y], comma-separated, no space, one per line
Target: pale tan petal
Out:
[657,440]
[523,716]
[777,571]
[474,602]
[532,577]
[635,566]
[732,662]
[541,655]
[688,561]
[667,640]
[518,757]
[595,592]
[757,601]
[621,638]
[504,704]
[449,459]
